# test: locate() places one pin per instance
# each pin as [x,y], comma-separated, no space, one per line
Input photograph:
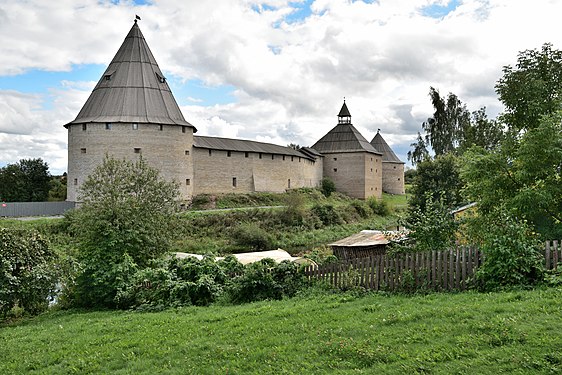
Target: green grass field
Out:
[517,332]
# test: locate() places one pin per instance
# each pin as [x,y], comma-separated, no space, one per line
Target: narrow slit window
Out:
[272,157]
[210,152]
[75,181]
[260,155]
[108,126]
[137,150]
[233,181]
[228,153]
[283,157]
[187,152]
[246,154]
[335,169]
[135,126]
[183,129]
[83,150]
[84,127]
[161,127]
[188,181]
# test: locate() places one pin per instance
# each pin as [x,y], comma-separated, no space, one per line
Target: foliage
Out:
[27,271]
[441,179]
[178,282]
[453,129]
[524,178]
[327,214]
[410,175]
[123,223]
[57,188]
[512,252]
[266,280]
[432,228]
[378,206]
[327,186]
[295,209]
[25,181]
[531,89]
[251,235]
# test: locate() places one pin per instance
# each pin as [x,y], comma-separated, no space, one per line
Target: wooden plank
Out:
[458,269]
[451,270]
[445,270]
[463,267]
[547,255]
[433,269]
[555,253]
[470,269]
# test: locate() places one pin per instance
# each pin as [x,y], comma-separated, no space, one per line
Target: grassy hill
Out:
[516,332]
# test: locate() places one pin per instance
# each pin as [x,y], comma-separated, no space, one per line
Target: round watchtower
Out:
[131,113]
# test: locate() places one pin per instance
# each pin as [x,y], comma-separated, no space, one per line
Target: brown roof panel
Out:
[241,145]
[343,138]
[388,155]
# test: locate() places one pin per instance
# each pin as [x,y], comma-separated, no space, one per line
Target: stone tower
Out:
[350,160]
[392,167]
[131,112]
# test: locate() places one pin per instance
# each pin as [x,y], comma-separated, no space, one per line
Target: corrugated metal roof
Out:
[343,138]
[132,89]
[380,144]
[242,145]
[363,238]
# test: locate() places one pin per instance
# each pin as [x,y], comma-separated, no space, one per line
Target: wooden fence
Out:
[437,270]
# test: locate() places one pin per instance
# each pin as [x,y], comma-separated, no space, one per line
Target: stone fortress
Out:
[131,113]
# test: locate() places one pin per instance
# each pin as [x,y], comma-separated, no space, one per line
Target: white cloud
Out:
[289,78]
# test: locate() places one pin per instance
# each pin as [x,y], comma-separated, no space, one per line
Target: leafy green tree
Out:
[445,130]
[432,228]
[57,191]
[526,179]
[531,89]
[440,178]
[125,221]
[25,181]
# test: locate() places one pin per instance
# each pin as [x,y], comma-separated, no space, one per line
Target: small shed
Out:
[361,245]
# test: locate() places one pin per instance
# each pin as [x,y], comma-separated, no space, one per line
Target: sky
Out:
[273,71]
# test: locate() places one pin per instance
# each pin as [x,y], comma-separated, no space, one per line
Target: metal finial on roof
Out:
[137,18]
[378,131]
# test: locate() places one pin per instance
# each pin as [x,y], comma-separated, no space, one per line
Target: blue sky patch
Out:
[196,92]
[40,81]
[440,11]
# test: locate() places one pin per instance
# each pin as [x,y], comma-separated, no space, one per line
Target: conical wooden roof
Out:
[132,89]
[388,155]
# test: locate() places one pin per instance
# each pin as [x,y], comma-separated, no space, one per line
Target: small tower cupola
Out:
[344,117]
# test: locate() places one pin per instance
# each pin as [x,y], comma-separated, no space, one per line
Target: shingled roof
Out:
[132,89]
[388,155]
[242,145]
[344,137]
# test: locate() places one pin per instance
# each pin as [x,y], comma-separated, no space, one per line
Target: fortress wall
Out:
[393,178]
[168,150]
[214,172]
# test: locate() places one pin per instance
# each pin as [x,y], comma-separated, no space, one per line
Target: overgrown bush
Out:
[179,282]
[183,282]
[378,206]
[327,214]
[266,280]
[512,252]
[27,271]
[252,236]
[361,208]
[327,186]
